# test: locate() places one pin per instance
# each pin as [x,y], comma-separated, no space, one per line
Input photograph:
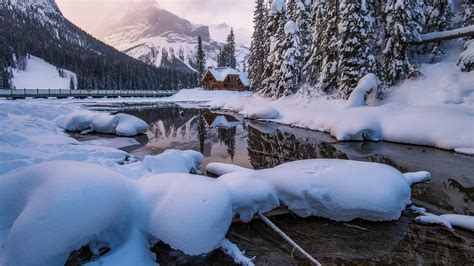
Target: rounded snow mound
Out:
[88,122]
[190,213]
[339,190]
[53,208]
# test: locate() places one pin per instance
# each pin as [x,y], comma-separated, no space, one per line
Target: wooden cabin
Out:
[225,78]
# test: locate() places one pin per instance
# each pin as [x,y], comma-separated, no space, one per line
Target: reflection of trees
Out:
[227,136]
[202,132]
[270,150]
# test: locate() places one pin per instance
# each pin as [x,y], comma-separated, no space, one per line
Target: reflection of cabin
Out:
[220,120]
[225,78]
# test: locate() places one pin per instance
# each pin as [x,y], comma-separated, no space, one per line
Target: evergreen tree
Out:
[438,17]
[328,48]
[275,37]
[291,64]
[299,11]
[355,58]
[312,68]
[404,20]
[468,8]
[230,50]
[200,60]
[221,58]
[71,84]
[258,54]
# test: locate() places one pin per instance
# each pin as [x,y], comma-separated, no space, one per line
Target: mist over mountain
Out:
[145,31]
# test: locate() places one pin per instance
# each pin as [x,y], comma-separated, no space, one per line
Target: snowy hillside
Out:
[39,74]
[158,37]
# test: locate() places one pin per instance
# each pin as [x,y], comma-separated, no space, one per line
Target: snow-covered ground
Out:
[39,74]
[436,109]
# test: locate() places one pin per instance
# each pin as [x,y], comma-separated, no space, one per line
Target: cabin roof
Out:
[221,73]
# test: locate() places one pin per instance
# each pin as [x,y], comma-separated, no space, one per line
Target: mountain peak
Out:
[49,6]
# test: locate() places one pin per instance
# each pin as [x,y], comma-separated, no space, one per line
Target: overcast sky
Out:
[237,13]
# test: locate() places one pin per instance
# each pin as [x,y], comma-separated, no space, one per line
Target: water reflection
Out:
[226,138]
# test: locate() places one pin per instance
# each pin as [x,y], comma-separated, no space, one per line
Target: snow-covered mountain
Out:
[161,38]
[38,28]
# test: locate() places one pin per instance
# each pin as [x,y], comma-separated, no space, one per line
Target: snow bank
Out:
[51,209]
[258,112]
[188,212]
[117,143]
[201,95]
[466,151]
[466,58]
[88,122]
[340,190]
[174,161]
[417,177]
[224,168]
[433,110]
[366,84]
[448,220]
[41,75]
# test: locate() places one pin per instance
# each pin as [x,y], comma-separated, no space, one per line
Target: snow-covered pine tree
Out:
[355,57]
[231,60]
[200,60]
[221,62]
[468,10]
[275,36]
[328,48]
[257,56]
[292,58]
[299,11]
[438,17]
[404,20]
[312,67]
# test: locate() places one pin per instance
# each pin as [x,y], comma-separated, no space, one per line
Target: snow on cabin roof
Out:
[221,73]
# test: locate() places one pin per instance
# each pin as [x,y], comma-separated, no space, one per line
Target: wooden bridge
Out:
[81,94]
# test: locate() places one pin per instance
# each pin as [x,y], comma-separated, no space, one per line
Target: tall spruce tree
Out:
[438,17]
[312,67]
[292,58]
[200,60]
[256,65]
[355,58]
[276,40]
[404,20]
[328,44]
[230,50]
[299,11]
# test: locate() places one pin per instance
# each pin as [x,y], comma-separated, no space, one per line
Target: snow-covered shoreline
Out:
[434,110]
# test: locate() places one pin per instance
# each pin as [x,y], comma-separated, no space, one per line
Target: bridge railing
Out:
[62,93]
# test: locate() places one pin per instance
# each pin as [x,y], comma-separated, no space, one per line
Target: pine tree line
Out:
[332,44]
[64,45]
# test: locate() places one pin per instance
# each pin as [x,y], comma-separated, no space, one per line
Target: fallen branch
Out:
[445,35]
[237,255]
[287,238]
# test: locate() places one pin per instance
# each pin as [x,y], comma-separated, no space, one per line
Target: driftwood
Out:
[445,35]
[287,238]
